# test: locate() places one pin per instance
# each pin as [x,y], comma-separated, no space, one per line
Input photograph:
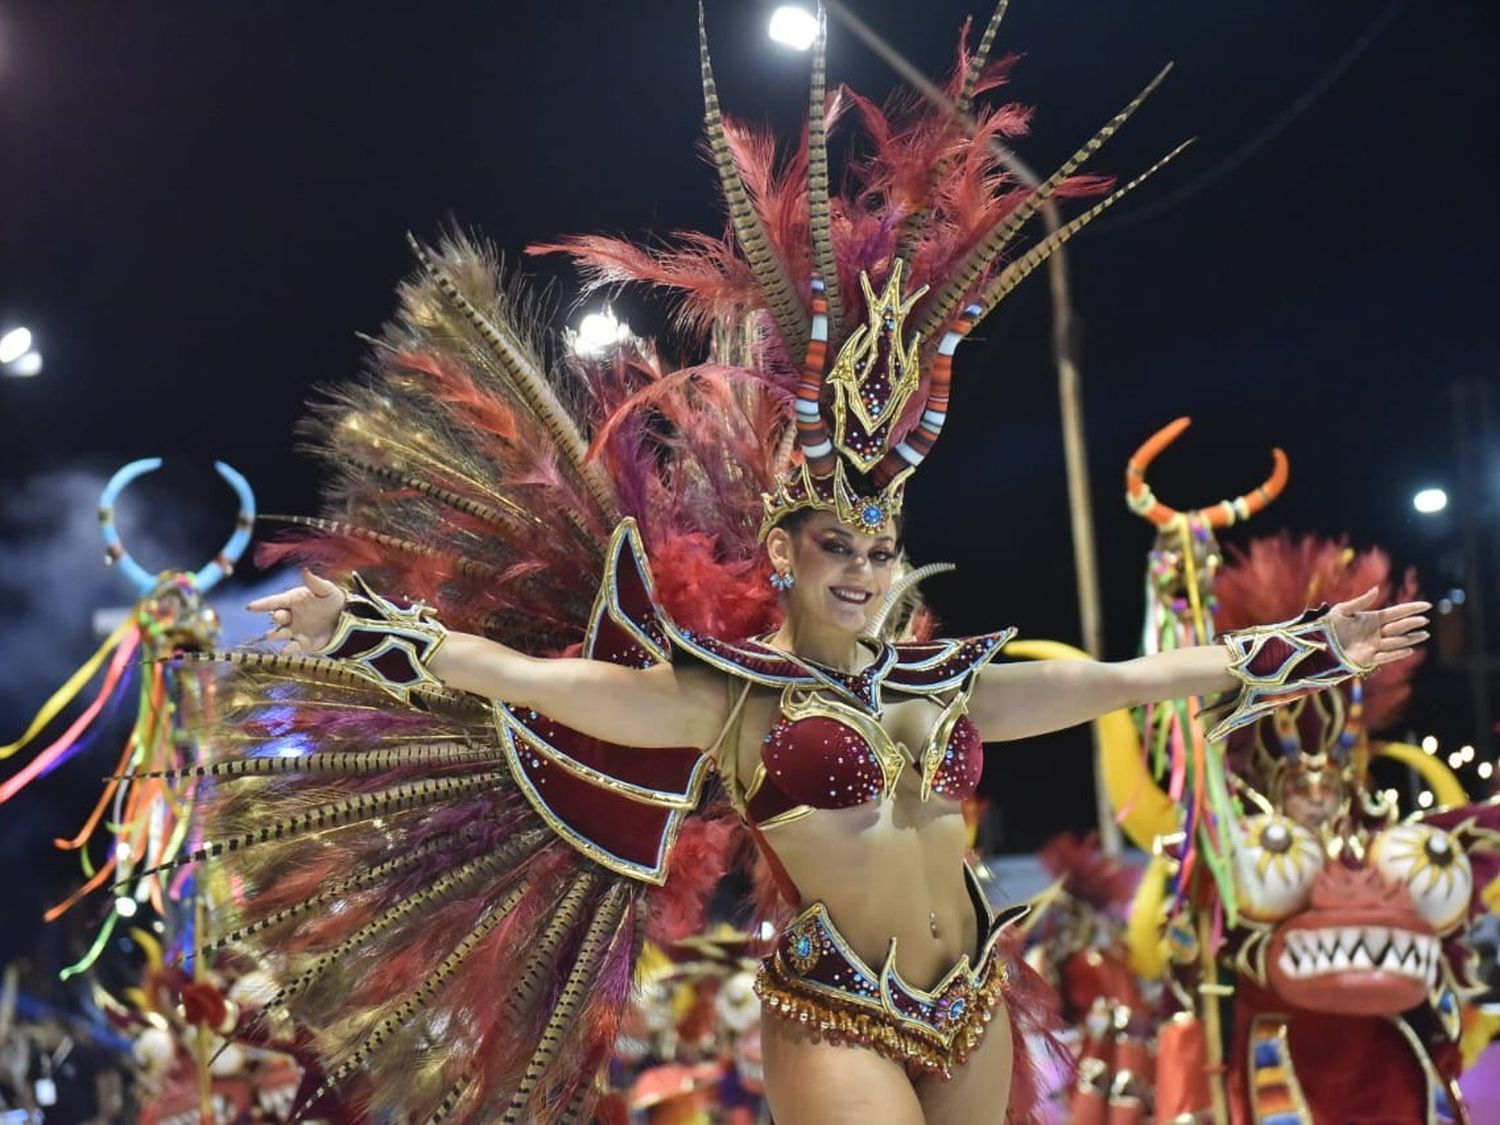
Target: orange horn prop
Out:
[1227,512]
[1139,496]
[1137,493]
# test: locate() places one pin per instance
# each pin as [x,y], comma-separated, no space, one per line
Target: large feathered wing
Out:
[453,895]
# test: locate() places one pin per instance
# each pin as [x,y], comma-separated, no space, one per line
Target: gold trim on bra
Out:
[799,703]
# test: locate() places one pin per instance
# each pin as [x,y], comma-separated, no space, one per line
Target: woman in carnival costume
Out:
[450,850]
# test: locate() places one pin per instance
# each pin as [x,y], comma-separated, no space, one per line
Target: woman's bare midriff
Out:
[892,868]
[888,869]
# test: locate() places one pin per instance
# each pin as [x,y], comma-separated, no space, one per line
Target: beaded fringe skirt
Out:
[814,978]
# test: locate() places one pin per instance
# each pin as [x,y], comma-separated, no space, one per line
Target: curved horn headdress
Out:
[1143,501]
[902,596]
[206,577]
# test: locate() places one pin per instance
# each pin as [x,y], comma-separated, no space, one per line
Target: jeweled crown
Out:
[857,467]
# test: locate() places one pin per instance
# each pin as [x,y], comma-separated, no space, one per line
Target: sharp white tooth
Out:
[1402,941]
[1361,959]
[1288,966]
[1323,962]
[1377,938]
[1340,959]
[1294,942]
[1391,962]
[1349,937]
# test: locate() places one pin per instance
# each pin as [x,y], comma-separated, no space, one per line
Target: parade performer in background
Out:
[690,1049]
[1115,1079]
[1077,939]
[146,818]
[1181,570]
[453,820]
[144,814]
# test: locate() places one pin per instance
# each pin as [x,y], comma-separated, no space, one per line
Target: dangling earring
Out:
[783,580]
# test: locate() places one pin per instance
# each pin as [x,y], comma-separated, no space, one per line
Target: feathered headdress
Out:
[857,300]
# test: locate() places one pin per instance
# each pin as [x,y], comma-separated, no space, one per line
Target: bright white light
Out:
[767,931]
[1430,501]
[794,27]
[28,365]
[125,906]
[1424,799]
[1486,769]
[598,332]
[14,344]
[1391,796]
[1466,753]
[1455,760]
[1429,744]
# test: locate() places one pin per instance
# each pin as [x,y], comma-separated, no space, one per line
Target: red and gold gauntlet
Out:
[385,642]
[1276,664]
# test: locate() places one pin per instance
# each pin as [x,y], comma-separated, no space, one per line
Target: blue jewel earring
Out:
[783,580]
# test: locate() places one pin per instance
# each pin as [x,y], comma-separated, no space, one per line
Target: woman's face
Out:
[842,574]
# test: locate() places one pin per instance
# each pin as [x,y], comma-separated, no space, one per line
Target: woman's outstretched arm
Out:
[663,705]
[1021,700]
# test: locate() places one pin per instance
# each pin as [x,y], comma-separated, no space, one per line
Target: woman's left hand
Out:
[1372,638]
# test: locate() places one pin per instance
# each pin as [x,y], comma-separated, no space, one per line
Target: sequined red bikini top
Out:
[836,758]
[828,749]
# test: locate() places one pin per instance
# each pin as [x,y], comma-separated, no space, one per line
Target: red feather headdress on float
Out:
[1282,576]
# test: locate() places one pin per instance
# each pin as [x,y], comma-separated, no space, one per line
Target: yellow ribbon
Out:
[64,695]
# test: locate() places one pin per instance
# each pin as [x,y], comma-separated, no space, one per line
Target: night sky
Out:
[200,206]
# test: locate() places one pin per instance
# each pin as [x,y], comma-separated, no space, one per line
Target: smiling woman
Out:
[510,777]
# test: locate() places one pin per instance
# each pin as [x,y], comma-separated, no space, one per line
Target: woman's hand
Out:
[304,616]
[1372,638]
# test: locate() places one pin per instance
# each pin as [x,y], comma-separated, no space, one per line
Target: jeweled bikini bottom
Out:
[813,977]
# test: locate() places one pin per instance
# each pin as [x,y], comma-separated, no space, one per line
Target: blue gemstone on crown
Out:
[804,946]
[873,515]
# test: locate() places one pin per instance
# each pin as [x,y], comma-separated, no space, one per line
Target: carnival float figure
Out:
[454,820]
[1352,920]
[1117,1072]
[1319,925]
[245,1085]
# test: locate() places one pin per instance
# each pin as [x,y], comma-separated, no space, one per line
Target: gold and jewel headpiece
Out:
[873,379]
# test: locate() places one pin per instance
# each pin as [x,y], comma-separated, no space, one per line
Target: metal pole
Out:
[1070,394]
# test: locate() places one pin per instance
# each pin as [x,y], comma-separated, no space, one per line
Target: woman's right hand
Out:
[304,616]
